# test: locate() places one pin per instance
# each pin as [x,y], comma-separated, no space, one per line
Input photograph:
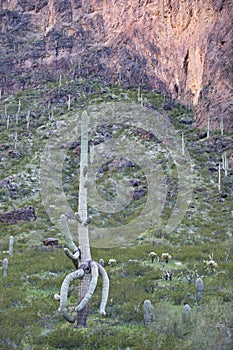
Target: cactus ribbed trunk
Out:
[148,313]
[5,267]
[11,244]
[82,227]
[199,289]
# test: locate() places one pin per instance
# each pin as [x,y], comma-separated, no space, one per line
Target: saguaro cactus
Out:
[148,313]
[199,289]
[5,267]
[11,246]
[186,315]
[87,269]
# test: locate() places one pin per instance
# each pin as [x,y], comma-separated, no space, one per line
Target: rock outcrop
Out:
[179,47]
[14,216]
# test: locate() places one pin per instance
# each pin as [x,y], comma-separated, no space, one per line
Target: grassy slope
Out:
[28,313]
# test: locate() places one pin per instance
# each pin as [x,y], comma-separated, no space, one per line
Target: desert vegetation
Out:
[191,310]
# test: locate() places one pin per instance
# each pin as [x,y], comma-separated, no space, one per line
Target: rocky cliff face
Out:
[183,48]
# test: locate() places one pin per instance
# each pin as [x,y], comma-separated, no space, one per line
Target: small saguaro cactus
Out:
[186,314]
[182,143]
[68,103]
[152,255]
[28,119]
[148,313]
[11,245]
[199,289]
[219,177]
[225,165]
[101,262]
[5,267]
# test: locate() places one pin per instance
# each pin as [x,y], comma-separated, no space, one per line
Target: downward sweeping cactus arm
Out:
[95,269]
[64,293]
[105,289]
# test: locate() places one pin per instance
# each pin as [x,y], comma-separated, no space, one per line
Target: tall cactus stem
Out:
[11,246]
[5,267]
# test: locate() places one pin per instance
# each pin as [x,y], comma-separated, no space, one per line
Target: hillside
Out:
[155,77]
[179,179]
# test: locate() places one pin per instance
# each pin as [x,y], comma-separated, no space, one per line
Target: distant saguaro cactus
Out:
[199,289]
[11,246]
[148,313]
[101,262]
[186,314]
[5,267]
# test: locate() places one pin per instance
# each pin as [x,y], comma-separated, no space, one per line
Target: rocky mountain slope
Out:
[200,246]
[181,48]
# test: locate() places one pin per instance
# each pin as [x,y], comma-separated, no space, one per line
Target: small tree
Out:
[87,270]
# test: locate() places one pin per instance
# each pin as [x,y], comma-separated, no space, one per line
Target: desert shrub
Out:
[211,326]
[181,293]
[126,300]
[105,337]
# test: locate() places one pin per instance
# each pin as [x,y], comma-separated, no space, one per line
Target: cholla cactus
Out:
[211,264]
[148,313]
[112,262]
[152,255]
[166,257]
